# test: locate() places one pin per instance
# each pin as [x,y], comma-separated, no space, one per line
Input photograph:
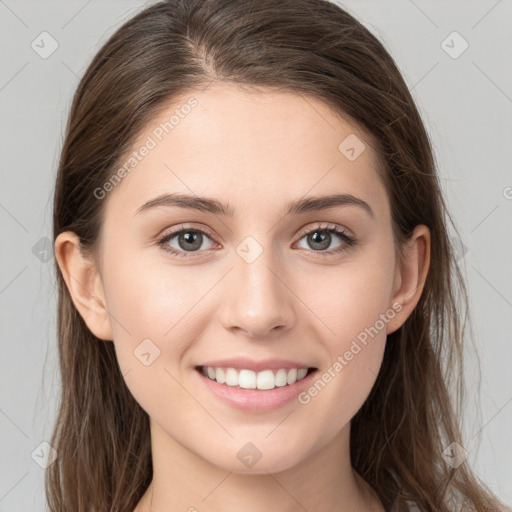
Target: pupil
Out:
[189,238]
[324,239]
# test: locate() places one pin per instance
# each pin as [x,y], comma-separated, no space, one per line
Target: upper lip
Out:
[240,363]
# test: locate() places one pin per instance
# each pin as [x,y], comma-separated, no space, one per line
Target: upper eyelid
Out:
[318,225]
[173,232]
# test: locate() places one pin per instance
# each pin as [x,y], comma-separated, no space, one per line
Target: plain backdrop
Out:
[462,84]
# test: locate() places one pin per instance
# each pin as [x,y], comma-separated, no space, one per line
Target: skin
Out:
[248,149]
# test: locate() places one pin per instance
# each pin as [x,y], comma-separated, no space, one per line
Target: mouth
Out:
[264,380]
[276,393]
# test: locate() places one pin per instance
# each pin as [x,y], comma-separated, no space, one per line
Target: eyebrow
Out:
[297,207]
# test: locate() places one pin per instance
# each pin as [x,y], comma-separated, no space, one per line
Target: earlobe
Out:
[84,284]
[411,275]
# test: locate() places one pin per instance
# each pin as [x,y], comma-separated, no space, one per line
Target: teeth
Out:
[248,379]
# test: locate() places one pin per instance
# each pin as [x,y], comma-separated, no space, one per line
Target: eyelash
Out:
[347,240]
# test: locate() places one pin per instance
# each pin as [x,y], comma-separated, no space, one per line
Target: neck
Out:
[324,481]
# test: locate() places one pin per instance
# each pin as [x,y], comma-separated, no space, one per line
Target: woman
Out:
[258,302]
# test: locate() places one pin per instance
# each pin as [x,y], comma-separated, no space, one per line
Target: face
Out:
[315,286]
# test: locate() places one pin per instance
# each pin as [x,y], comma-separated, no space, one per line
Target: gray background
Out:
[466,103]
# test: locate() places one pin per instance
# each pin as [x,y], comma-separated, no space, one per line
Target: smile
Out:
[275,392]
[249,379]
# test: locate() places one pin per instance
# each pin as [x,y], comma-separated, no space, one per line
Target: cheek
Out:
[148,308]
[158,311]
[153,321]
[350,297]
[151,298]
[351,309]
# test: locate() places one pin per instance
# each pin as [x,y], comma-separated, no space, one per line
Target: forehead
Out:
[240,145]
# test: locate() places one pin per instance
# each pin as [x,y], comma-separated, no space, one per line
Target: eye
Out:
[321,238]
[188,240]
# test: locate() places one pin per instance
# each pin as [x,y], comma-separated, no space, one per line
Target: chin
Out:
[274,464]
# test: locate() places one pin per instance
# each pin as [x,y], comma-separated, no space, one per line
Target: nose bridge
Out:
[259,300]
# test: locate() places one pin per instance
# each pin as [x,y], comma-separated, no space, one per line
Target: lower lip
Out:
[257,400]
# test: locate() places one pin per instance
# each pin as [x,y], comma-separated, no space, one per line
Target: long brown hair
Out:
[309,47]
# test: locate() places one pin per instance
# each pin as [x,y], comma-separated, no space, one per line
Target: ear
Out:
[410,276]
[84,283]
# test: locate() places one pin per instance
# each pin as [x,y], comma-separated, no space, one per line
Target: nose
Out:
[258,302]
